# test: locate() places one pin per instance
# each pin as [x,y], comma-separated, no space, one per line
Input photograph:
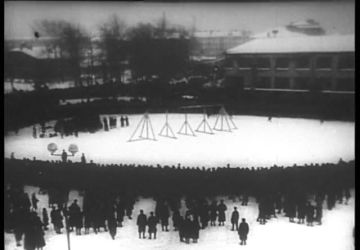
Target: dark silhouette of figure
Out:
[301,211]
[152,222]
[87,221]
[141,223]
[129,206]
[235,219]
[34,235]
[221,209]
[83,159]
[112,225]
[181,226]
[122,121]
[262,212]
[195,228]
[57,219]
[309,214]
[176,220]
[106,125]
[45,220]
[347,195]
[34,201]
[243,231]
[75,217]
[318,212]
[64,156]
[164,216]
[187,229]
[127,121]
[120,213]
[204,215]
[213,213]
[34,132]
[245,200]
[19,216]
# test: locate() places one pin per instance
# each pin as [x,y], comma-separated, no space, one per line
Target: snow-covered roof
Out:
[278,32]
[218,33]
[36,52]
[296,44]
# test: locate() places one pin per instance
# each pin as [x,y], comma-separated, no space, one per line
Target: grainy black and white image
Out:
[187,125]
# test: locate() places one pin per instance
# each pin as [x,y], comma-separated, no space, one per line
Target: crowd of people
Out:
[112,122]
[110,192]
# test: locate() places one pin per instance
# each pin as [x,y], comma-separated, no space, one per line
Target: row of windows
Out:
[345,84]
[345,62]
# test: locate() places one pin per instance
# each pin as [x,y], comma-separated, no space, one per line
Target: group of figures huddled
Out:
[110,192]
[24,217]
[67,127]
[112,122]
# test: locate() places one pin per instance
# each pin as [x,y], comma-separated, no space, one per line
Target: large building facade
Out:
[301,63]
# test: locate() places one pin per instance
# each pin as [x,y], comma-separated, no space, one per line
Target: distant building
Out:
[212,43]
[293,61]
[36,64]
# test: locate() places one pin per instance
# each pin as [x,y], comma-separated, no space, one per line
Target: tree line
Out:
[148,49]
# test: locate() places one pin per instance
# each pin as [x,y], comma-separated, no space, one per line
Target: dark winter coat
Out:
[222,208]
[45,218]
[152,222]
[243,230]
[75,216]
[176,219]
[213,212]
[310,213]
[141,222]
[112,225]
[195,228]
[235,217]
[34,235]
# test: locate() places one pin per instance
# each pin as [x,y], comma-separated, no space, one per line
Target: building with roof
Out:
[213,43]
[298,62]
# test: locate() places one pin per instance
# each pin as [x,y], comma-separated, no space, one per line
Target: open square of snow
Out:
[256,142]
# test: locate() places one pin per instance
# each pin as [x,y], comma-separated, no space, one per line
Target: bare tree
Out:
[71,39]
[112,34]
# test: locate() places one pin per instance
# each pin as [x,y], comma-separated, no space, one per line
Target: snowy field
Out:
[256,142]
[336,232]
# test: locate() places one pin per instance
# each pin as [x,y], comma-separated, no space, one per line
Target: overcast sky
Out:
[335,17]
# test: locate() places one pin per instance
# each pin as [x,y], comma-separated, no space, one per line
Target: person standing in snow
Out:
[64,156]
[83,159]
[152,222]
[112,224]
[213,213]
[176,220]
[164,216]
[235,219]
[45,220]
[243,231]
[309,214]
[319,213]
[222,208]
[34,201]
[195,228]
[141,223]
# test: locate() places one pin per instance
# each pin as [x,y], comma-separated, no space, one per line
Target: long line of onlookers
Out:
[110,192]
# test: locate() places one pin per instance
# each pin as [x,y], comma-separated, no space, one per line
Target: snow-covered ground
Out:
[336,232]
[256,142]
[23,85]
